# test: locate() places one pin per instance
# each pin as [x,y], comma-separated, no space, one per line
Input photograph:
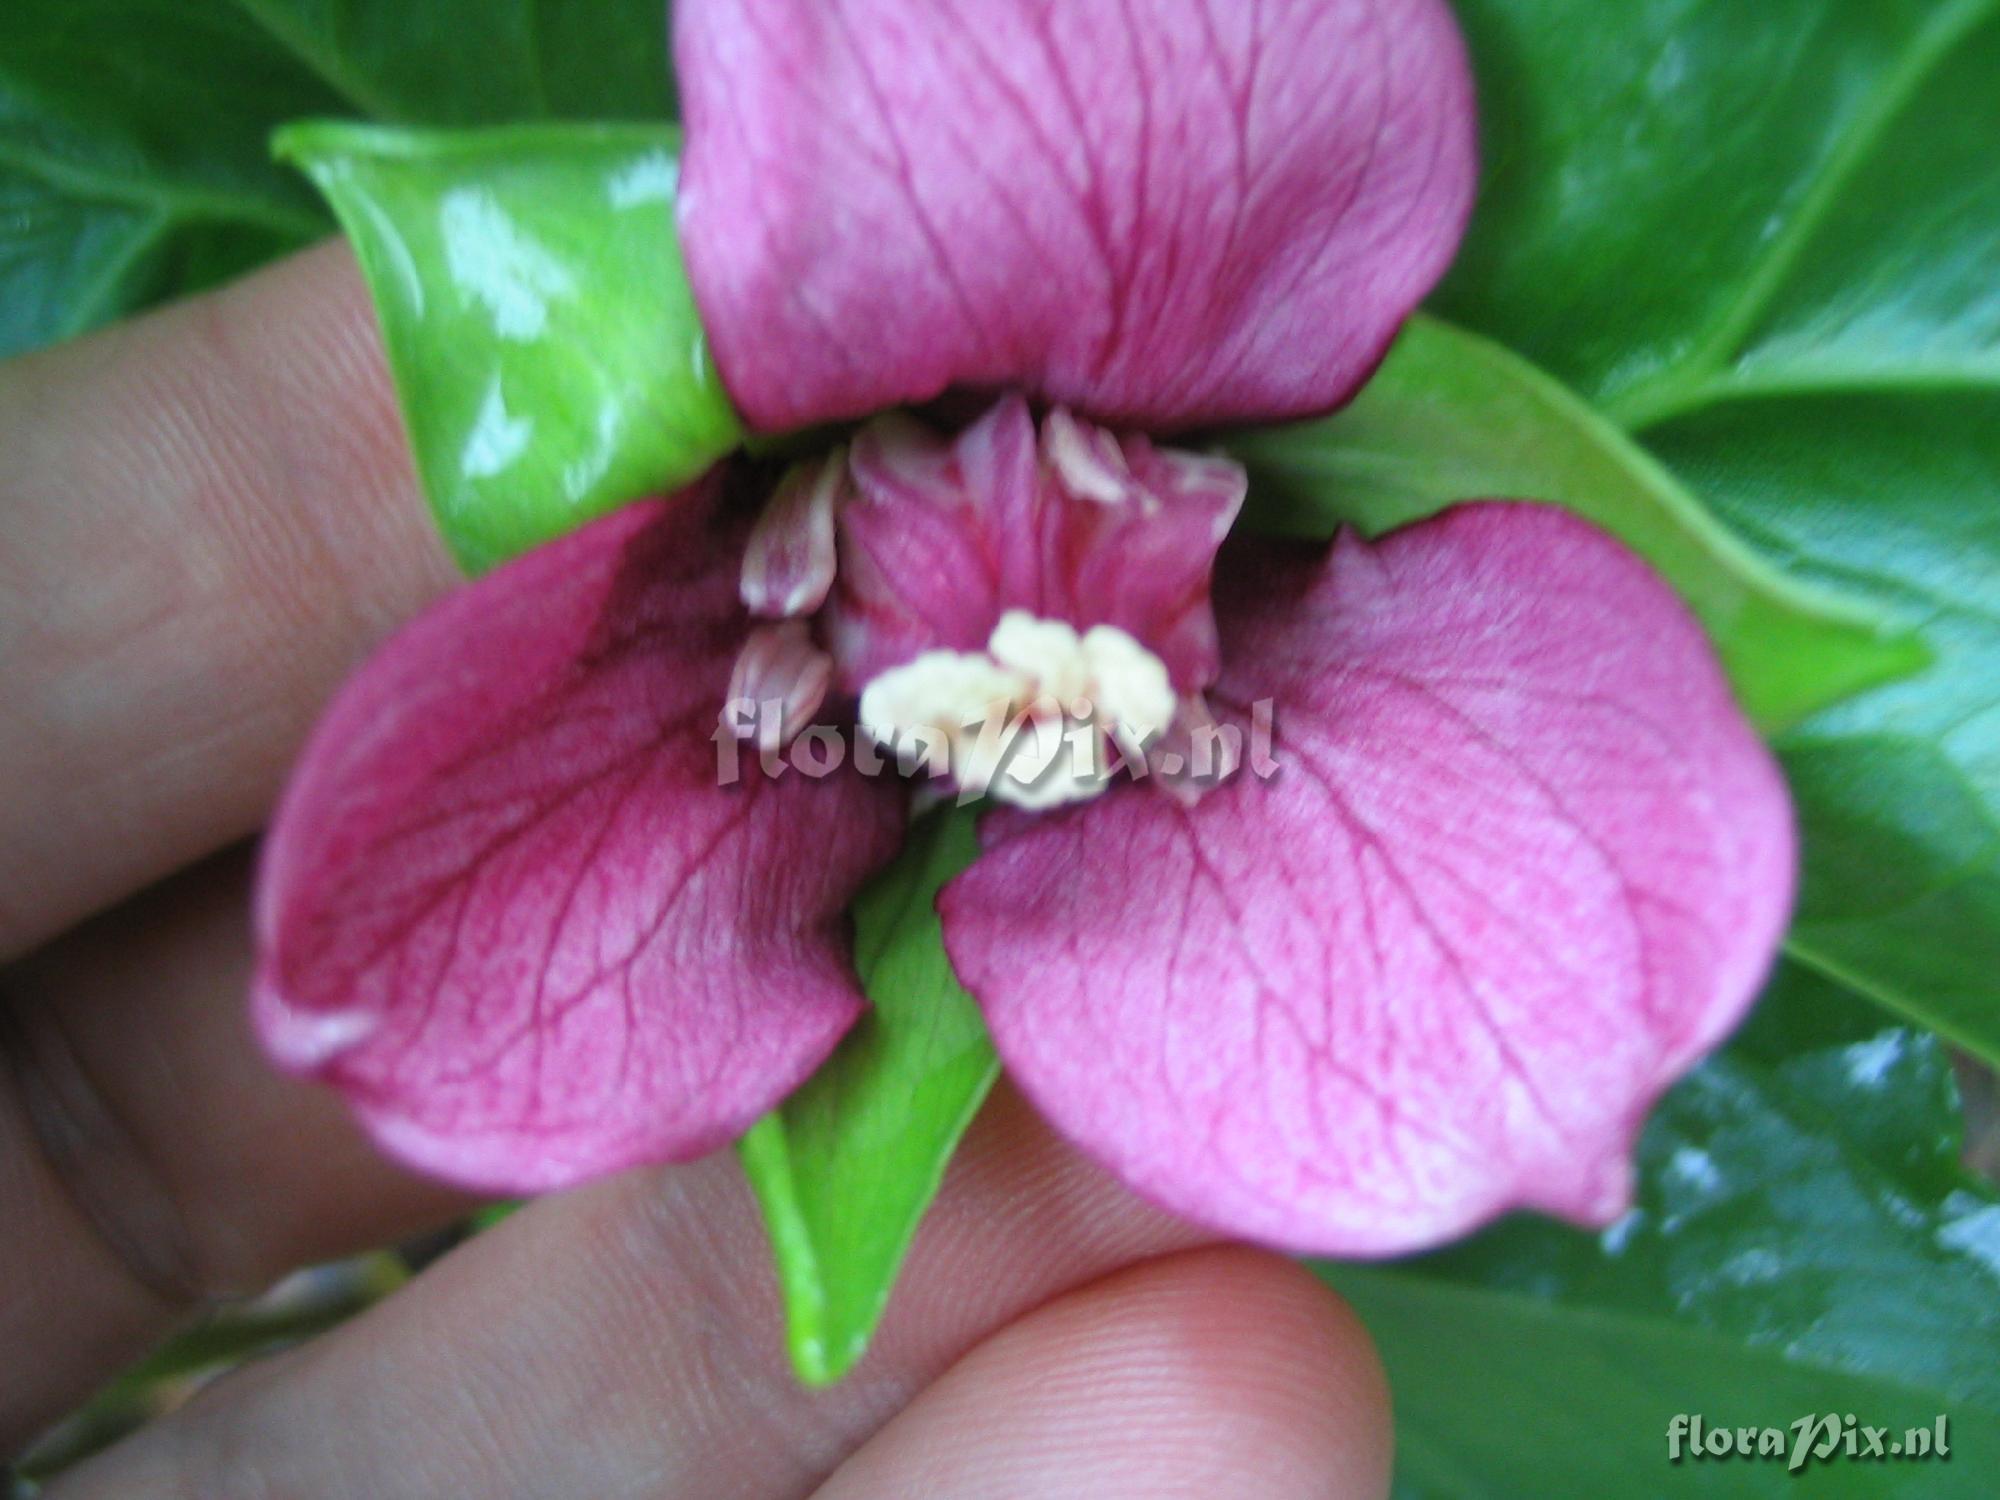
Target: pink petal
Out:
[1523,861]
[1165,214]
[507,909]
[941,536]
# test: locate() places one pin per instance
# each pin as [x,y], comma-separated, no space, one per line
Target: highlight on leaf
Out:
[540,329]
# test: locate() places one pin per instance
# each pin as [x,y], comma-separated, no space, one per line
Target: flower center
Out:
[1028,720]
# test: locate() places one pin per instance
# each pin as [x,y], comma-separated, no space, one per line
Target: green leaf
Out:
[1763,240]
[130,131]
[1892,497]
[1803,1242]
[540,327]
[1656,171]
[480,62]
[1452,417]
[134,160]
[846,1168]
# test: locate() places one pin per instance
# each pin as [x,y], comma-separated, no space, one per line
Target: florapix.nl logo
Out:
[1038,754]
[1818,1437]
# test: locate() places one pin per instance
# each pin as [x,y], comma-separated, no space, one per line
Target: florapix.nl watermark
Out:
[1818,1437]
[1034,753]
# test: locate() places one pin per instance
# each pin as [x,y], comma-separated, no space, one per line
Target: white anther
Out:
[1130,684]
[1090,470]
[1025,720]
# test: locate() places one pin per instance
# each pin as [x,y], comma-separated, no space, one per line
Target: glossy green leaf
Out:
[1894,497]
[131,132]
[541,330]
[1804,1241]
[134,160]
[1806,330]
[846,1168]
[1655,169]
[1453,417]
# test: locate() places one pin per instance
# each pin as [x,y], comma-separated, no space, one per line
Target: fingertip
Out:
[1214,1372]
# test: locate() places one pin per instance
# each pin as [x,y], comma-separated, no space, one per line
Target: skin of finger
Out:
[1219,1372]
[68,1310]
[150,1157]
[211,517]
[625,1342]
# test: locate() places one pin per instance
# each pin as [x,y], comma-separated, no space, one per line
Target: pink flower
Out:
[1520,859]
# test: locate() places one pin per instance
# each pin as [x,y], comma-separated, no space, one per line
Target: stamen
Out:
[788,566]
[941,698]
[778,684]
[1088,461]
[1130,684]
[1026,720]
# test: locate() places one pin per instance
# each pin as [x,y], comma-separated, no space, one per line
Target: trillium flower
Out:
[1511,862]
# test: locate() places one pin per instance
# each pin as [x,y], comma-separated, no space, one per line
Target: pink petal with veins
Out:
[941,536]
[1522,862]
[507,909]
[1161,212]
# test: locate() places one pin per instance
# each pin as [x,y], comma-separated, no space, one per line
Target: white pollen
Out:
[1132,686]
[1047,652]
[1027,719]
[1032,773]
